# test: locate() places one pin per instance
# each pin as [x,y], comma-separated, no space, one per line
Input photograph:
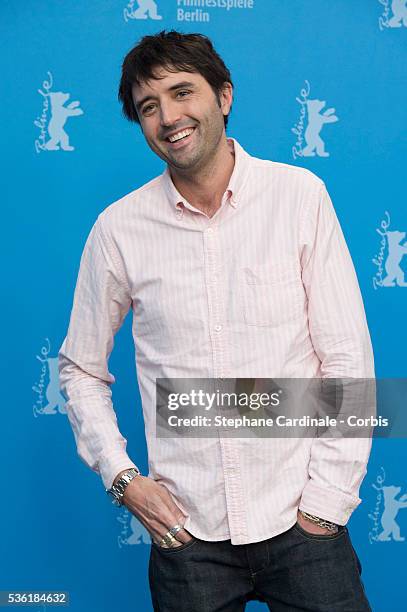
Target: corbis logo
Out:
[389,258]
[394,14]
[132,530]
[308,129]
[49,396]
[385,527]
[51,123]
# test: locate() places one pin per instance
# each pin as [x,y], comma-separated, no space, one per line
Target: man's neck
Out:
[205,188]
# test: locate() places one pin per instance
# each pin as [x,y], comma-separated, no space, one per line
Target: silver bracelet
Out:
[117,490]
[319,521]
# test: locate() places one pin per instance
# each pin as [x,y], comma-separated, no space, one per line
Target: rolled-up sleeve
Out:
[341,340]
[100,304]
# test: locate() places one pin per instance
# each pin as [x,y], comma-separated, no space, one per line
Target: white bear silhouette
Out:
[138,531]
[53,392]
[139,534]
[391,508]
[315,123]
[392,264]
[144,7]
[59,115]
[399,18]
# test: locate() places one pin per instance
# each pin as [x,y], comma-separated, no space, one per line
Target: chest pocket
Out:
[272,294]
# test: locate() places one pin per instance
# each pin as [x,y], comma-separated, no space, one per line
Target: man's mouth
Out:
[180,137]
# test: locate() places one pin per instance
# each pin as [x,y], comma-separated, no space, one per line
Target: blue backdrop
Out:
[317,84]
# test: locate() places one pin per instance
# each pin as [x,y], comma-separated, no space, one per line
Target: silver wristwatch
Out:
[319,521]
[117,490]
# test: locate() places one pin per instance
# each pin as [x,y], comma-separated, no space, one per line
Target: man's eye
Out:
[146,108]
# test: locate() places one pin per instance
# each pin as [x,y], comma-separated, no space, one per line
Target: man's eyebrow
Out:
[140,103]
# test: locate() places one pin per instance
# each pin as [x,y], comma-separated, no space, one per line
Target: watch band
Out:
[319,521]
[117,490]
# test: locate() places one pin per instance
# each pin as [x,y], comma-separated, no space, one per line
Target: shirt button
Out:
[210,230]
[218,328]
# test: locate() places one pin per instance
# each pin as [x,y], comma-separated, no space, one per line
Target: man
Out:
[233,267]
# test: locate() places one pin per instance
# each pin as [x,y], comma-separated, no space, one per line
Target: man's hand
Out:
[310,526]
[154,507]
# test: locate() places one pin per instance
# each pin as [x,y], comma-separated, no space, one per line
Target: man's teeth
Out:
[180,135]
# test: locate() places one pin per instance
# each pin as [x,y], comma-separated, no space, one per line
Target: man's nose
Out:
[169,114]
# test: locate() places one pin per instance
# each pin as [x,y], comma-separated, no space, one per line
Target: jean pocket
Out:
[175,549]
[320,536]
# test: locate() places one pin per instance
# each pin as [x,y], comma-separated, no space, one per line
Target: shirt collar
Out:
[236,182]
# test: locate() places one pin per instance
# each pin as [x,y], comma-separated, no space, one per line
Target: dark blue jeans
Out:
[291,572]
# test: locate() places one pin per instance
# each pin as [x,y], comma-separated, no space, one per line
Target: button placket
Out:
[215,302]
[234,490]
[228,447]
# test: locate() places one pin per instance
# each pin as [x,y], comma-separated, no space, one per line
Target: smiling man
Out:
[195,149]
[234,267]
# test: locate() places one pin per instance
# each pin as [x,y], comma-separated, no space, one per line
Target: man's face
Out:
[178,102]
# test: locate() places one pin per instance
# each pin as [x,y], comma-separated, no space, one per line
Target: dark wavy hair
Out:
[173,51]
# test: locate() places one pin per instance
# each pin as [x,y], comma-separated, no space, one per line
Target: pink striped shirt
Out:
[265,288]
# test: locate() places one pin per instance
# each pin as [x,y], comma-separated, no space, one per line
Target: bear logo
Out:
[138,535]
[394,257]
[399,18]
[53,393]
[59,115]
[391,508]
[146,9]
[315,124]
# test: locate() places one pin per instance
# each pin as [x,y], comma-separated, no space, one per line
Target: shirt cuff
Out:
[330,504]
[112,464]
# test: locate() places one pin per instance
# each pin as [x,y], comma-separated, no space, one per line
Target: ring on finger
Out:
[174,530]
[168,539]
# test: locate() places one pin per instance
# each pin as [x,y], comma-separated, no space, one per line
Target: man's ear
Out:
[226,97]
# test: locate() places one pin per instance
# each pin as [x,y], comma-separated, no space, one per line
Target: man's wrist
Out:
[120,474]
[120,483]
[316,520]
